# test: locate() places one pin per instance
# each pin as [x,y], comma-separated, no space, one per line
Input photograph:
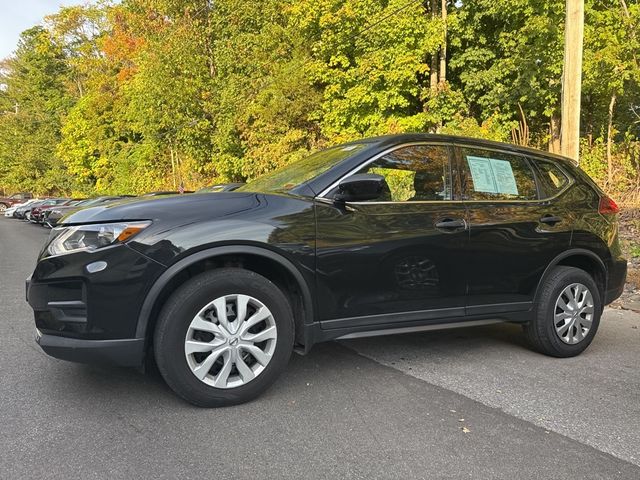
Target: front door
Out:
[398,258]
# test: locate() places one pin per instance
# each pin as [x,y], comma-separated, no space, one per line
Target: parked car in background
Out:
[46,202]
[221,187]
[54,214]
[21,212]
[385,235]
[37,213]
[46,212]
[7,202]
[10,212]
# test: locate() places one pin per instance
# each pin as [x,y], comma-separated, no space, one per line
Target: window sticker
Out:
[482,174]
[503,174]
[491,175]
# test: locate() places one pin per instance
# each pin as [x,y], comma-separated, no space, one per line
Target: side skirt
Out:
[406,322]
[440,326]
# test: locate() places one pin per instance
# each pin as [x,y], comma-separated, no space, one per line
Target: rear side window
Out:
[552,178]
[494,175]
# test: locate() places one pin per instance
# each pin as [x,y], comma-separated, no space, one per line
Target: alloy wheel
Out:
[573,313]
[230,341]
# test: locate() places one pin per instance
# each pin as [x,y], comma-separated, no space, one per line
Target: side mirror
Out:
[360,187]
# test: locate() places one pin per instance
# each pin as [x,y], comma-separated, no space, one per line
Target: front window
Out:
[413,174]
[297,173]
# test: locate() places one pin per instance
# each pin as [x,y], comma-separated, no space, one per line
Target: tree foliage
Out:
[146,94]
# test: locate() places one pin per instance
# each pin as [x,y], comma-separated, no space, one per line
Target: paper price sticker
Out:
[491,175]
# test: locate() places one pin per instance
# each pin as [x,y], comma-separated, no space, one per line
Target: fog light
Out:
[96,267]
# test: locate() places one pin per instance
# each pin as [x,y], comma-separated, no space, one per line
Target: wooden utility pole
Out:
[443,48]
[572,78]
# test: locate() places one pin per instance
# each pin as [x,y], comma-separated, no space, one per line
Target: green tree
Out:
[33,99]
[509,54]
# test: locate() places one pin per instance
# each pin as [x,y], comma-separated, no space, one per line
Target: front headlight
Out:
[92,237]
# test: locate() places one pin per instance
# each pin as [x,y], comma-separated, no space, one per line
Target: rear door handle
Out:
[550,219]
[450,224]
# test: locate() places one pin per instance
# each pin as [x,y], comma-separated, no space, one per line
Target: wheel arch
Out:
[583,259]
[281,271]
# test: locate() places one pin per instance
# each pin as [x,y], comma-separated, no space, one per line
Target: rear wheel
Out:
[567,314]
[3,207]
[223,337]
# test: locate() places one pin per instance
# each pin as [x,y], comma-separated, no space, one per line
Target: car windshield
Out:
[290,176]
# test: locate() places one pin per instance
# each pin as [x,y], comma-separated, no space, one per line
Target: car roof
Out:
[395,139]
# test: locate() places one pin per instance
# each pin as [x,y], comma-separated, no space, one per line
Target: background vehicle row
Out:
[48,211]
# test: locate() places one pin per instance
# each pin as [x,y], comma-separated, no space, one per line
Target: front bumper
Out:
[126,352]
[92,317]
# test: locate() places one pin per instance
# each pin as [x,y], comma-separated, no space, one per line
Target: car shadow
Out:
[444,345]
[82,385]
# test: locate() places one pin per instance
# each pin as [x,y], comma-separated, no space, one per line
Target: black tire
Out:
[541,333]
[179,311]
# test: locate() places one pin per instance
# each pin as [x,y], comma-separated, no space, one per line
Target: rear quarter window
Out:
[551,177]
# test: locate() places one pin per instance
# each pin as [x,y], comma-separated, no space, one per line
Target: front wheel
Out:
[567,314]
[223,337]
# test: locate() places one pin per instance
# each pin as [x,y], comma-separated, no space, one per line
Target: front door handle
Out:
[451,224]
[550,219]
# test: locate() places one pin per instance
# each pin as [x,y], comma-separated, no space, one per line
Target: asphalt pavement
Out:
[465,403]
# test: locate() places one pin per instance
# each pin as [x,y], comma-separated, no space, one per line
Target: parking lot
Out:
[465,403]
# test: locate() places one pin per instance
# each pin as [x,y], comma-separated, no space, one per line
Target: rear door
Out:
[516,224]
[399,258]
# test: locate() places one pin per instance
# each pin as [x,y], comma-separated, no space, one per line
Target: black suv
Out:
[385,235]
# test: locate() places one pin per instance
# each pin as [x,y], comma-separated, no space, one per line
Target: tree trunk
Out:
[209,47]
[625,11]
[443,48]
[79,85]
[520,134]
[612,105]
[554,133]
[173,168]
[433,74]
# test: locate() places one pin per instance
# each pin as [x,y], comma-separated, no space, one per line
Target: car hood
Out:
[183,207]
